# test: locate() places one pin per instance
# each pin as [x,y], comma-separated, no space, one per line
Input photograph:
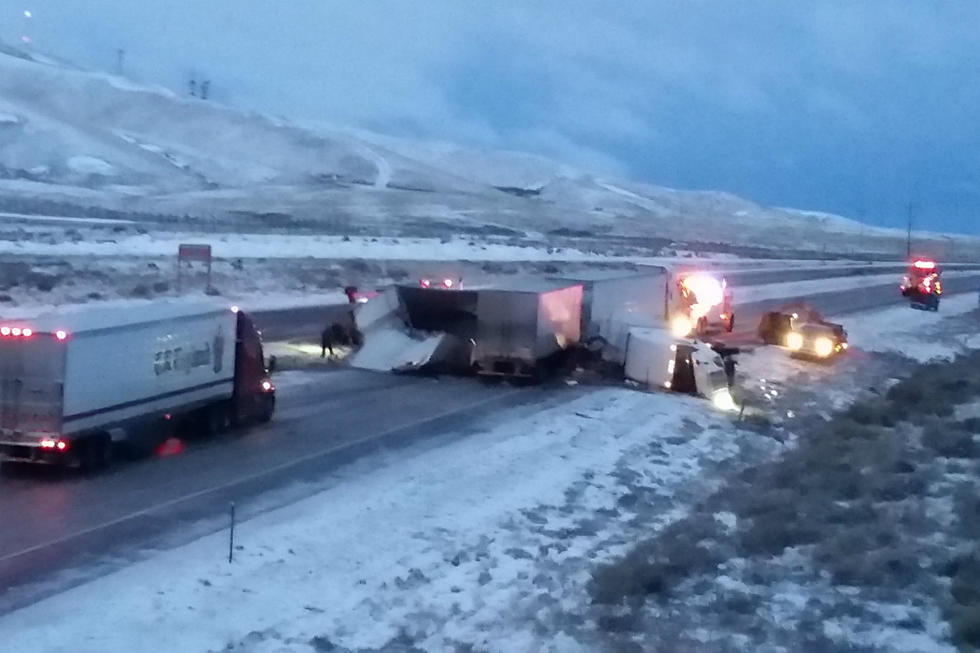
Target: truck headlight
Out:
[823,346]
[722,400]
[794,340]
[681,326]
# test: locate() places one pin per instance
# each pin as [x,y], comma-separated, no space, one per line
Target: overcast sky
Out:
[840,105]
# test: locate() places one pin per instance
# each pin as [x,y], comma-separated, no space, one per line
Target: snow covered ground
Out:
[488,541]
[896,330]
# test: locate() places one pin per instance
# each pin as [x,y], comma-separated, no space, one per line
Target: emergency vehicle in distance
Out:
[923,285]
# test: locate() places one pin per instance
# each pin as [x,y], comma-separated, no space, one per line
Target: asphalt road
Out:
[62,528]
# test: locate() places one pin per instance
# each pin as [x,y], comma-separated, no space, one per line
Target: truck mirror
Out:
[271,367]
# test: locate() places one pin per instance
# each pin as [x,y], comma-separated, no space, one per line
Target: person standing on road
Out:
[326,342]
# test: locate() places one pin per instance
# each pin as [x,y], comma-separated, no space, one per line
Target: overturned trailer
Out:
[659,360]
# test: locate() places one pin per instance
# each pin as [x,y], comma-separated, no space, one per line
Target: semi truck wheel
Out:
[218,418]
[96,453]
[268,410]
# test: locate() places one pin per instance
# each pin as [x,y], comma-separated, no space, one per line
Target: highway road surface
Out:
[56,523]
[61,528]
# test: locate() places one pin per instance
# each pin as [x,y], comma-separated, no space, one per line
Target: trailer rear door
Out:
[32,372]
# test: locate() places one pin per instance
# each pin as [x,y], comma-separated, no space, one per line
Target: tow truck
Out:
[923,285]
[804,332]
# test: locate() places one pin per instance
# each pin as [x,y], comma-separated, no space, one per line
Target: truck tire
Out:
[218,418]
[268,409]
[95,453]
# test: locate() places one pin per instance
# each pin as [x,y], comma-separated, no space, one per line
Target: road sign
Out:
[187,253]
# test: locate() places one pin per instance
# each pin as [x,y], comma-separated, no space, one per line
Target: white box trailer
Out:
[73,383]
[651,297]
[616,300]
[521,324]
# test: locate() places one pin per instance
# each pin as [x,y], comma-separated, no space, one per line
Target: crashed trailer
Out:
[523,327]
[408,328]
[614,301]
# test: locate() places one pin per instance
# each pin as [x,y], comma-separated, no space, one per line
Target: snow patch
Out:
[90,165]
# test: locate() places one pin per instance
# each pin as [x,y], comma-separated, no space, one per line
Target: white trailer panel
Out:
[615,301]
[520,326]
[120,363]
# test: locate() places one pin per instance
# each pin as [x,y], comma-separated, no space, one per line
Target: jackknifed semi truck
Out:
[75,384]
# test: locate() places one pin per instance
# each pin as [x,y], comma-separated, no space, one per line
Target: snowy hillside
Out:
[73,141]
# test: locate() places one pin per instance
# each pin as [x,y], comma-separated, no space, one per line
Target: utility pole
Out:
[908,237]
[120,61]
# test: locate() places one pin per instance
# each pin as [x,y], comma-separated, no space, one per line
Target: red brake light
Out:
[15,331]
[4,331]
[27,333]
[925,265]
[425,283]
[60,335]
[448,283]
[47,444]
[61,445]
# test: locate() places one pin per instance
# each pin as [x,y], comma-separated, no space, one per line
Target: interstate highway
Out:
[60,529]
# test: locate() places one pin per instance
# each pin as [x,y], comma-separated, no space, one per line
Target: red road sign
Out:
[187,252]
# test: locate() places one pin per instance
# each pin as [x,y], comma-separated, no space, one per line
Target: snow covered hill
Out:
[80,140]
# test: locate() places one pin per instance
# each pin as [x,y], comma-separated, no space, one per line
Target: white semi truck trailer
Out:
[688,303]
[74,384]
[521,327]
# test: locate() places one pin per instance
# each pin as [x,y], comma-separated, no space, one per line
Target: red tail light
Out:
[51,443]
[16,332]
[447,283]
[425,283]
[60,335]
